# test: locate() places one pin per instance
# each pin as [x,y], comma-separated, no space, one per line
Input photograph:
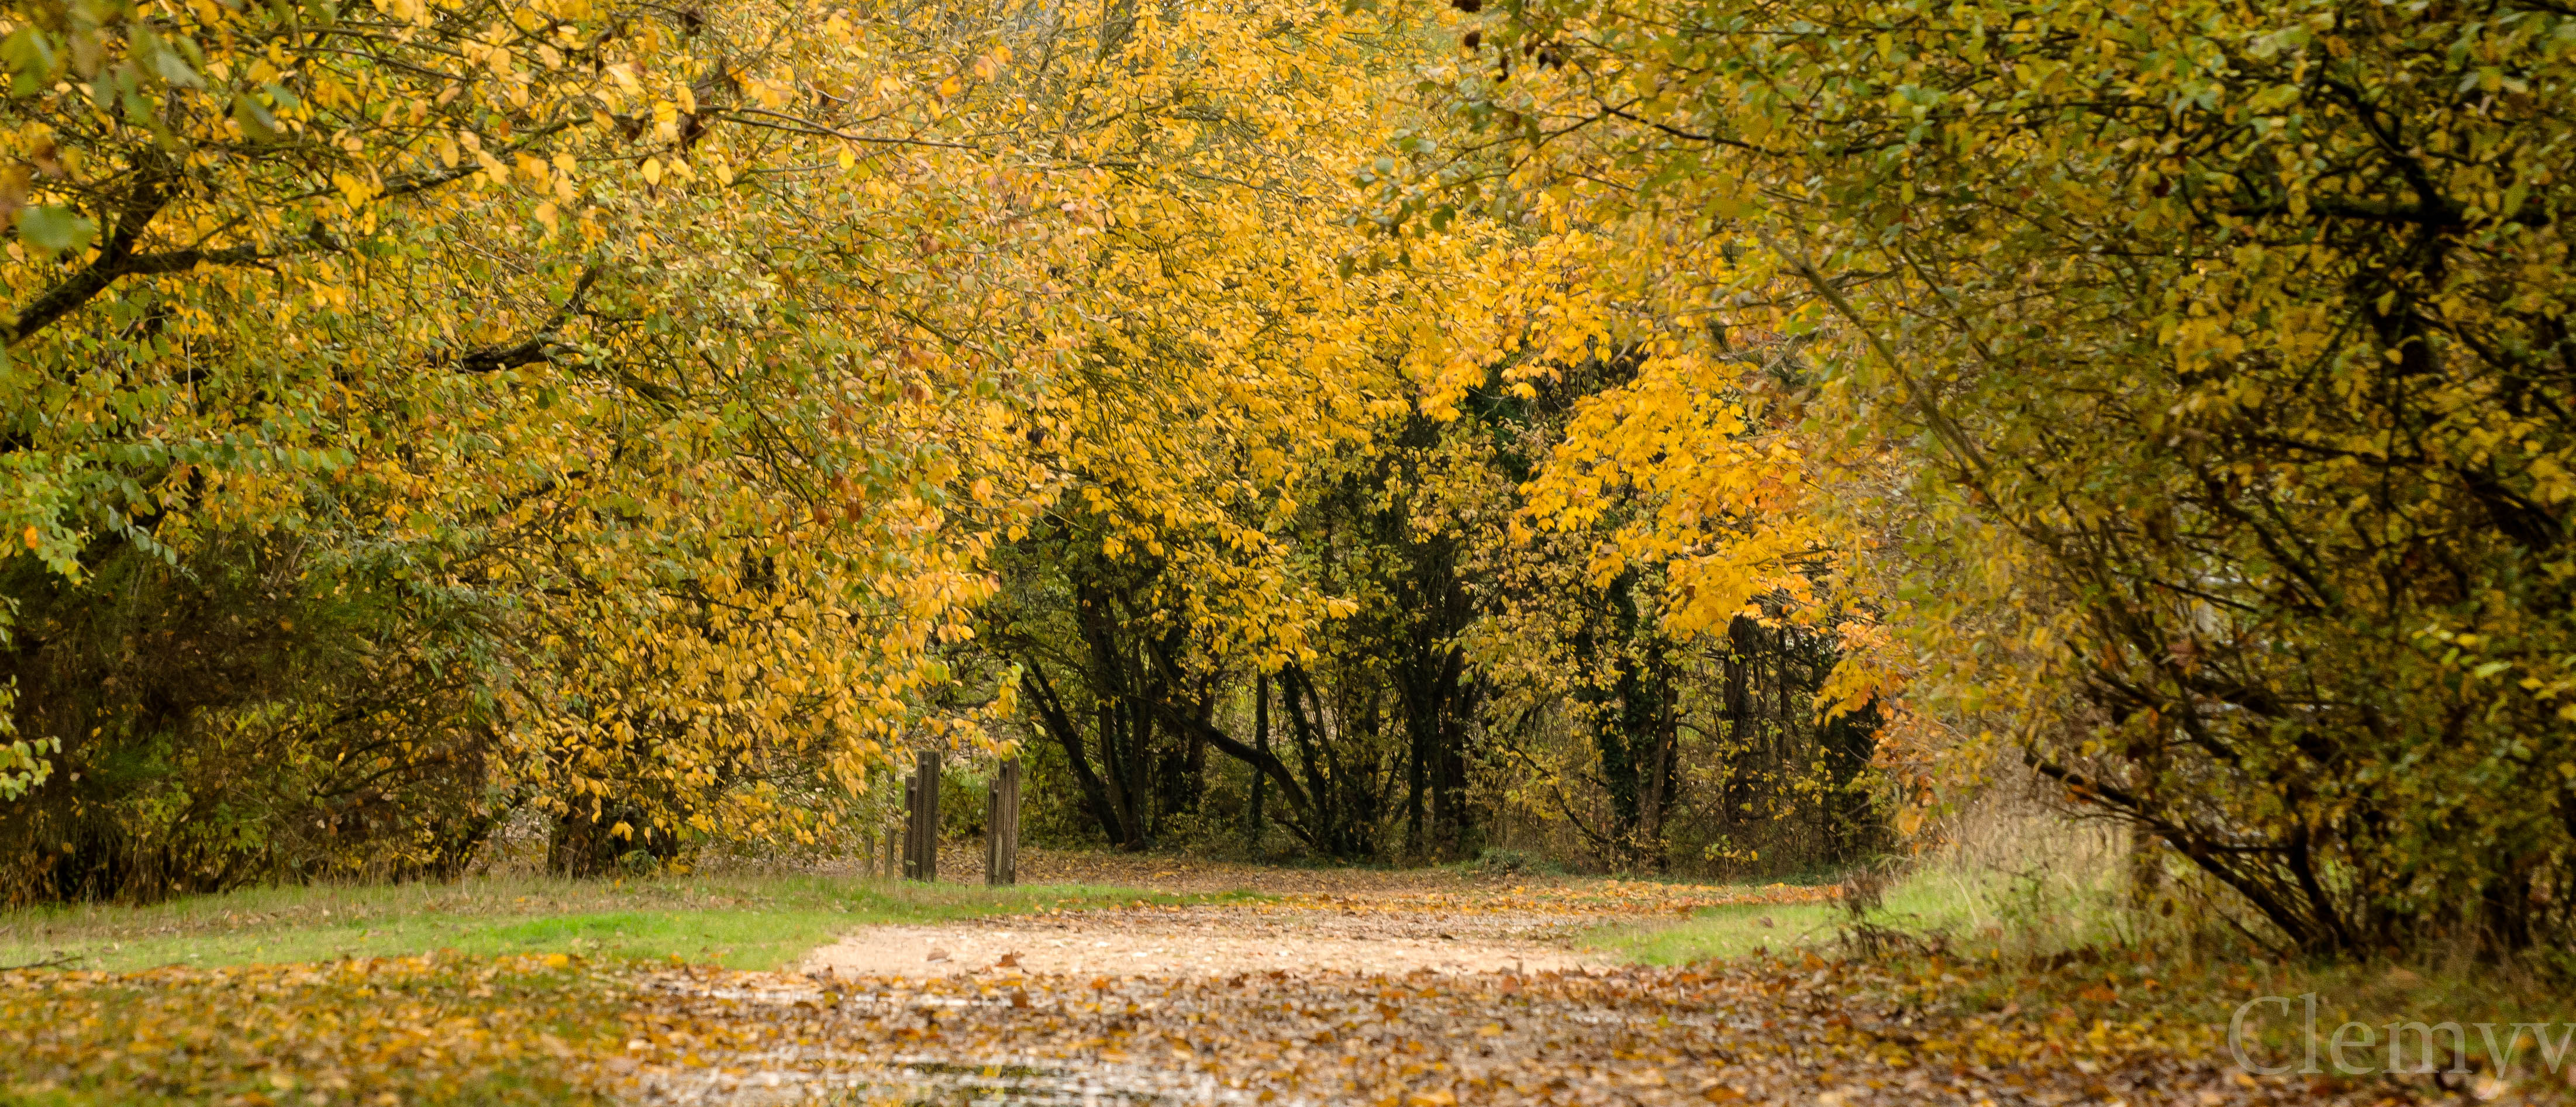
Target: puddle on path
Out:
[782,1080]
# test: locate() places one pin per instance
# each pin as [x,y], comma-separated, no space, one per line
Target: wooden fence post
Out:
[923,864]
[911,822]
[1002,828]
[892,866]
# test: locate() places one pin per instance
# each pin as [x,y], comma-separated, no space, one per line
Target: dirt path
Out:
[1221,940]
[963,863]
[1370,990]
[1308,920]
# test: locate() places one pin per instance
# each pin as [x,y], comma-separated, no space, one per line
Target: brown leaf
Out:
[14,188]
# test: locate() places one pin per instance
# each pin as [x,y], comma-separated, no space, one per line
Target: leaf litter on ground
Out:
[1789,1027]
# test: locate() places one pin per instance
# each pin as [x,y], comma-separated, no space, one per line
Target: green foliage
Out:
[252,710]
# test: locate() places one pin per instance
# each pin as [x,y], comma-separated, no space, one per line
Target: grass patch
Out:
[2031,923]
[2018,892]
[1716,933]
[737,921]
[1739,930]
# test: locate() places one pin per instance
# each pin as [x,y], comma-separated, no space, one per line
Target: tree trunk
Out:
[924,791]
[1002,827]
[1261,743]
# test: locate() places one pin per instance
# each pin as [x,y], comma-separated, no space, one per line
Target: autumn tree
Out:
[1237,377]
[2227,346]
[423,413]
[643,422]
[1618,721]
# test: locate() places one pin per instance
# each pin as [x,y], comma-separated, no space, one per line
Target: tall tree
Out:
[2229,345]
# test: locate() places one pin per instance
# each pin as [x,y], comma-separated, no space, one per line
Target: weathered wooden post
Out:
[1002,828]
[923,864]
[911,822]
[893,866]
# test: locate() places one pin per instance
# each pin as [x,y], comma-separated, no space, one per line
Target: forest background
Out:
[1656,436]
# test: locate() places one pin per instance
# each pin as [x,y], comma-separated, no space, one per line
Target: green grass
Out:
[1717,933]
[741,922]
[1931,900]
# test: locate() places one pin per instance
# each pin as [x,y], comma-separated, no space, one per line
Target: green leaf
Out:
[52,228]
[254,117]
[30,55]
[172,67]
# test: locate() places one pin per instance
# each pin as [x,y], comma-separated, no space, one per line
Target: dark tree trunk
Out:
[1851,740]
[1261,744]
[1053,719]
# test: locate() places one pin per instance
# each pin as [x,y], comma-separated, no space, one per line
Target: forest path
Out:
[1360,936]
[1279,920]
[1340,989]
